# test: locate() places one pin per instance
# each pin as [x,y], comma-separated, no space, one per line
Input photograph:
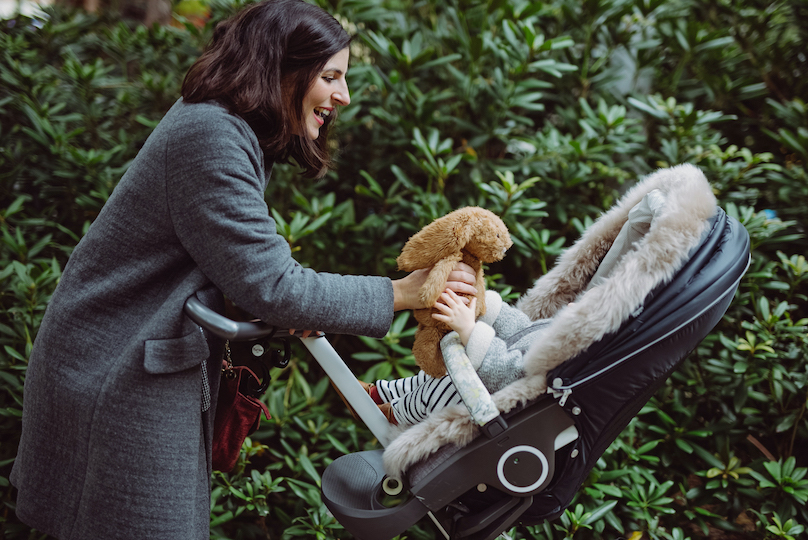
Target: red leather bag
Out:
[238,415]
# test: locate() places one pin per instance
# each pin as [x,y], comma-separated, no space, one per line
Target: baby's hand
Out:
[456,314]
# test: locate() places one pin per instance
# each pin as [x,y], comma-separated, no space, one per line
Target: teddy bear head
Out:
[489,239]
[476,230]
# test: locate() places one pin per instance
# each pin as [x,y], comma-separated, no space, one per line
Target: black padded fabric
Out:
[351,481]
[613,380]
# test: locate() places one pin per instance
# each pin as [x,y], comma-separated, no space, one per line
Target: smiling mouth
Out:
[322,113]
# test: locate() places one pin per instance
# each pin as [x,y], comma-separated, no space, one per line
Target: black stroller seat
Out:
[603,359]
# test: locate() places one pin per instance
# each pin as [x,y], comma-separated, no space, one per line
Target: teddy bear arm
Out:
[435,282]
[427,352]
[480,284]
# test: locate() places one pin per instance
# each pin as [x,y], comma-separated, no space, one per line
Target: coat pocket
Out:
[176,354]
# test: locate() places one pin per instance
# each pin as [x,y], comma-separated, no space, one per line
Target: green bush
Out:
[544,112]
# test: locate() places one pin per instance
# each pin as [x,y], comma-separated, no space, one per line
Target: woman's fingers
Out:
[462,279]
[406,291]
[305,333]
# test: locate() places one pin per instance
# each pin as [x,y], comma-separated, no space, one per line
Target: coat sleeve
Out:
[215,192]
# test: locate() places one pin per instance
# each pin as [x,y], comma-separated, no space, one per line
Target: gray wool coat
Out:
[115,443]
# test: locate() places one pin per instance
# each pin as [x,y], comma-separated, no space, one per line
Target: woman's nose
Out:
[342,95]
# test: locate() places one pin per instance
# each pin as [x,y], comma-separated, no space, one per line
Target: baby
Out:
[495,344]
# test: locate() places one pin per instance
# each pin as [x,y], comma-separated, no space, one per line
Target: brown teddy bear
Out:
[472,235]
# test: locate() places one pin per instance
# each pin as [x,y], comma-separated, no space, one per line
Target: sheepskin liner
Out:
[675,231]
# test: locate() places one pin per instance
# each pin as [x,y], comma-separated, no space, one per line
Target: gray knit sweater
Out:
[498,343]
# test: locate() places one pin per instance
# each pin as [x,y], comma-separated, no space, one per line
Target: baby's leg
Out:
[390,390]
[432,395]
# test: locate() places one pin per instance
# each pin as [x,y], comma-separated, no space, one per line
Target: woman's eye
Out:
[328,79]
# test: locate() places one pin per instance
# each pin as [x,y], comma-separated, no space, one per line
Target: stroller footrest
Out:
[519,461]
[352,492]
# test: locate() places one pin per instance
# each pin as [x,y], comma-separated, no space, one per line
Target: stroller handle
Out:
[319,347]
[223,327]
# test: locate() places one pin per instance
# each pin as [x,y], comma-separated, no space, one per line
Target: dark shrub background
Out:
[543,112]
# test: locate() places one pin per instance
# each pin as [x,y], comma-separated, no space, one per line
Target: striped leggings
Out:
[413,398]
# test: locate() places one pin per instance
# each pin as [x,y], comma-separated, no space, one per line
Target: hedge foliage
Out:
[543,112]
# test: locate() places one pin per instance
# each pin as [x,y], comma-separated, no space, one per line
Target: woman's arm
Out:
[405,290]
[214,182]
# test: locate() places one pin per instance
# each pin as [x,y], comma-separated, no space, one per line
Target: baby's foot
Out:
[372,391]
[387,411]
[367,387]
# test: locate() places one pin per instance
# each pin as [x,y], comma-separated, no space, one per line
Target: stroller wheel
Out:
[392,486]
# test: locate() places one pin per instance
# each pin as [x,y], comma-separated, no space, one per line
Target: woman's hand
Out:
[305,333]
[461,280]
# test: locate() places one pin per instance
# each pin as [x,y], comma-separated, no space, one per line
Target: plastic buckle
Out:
[495,427]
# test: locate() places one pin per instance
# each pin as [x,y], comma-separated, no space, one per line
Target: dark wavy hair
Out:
[260,63]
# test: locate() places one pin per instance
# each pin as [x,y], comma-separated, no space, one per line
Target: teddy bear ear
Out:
[443,237]
[466,226]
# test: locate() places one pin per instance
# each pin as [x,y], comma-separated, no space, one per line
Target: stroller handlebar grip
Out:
[223,327]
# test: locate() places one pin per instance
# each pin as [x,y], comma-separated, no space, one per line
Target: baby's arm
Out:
[496,363]
[456,314]
[505,319]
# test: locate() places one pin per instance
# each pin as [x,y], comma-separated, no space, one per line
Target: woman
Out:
[119,398]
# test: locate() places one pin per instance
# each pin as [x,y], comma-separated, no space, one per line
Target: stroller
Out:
[649,280]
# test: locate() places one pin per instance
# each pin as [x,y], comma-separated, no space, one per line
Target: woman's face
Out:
[327,92]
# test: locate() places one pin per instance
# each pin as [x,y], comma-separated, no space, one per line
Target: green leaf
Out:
[309,468]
